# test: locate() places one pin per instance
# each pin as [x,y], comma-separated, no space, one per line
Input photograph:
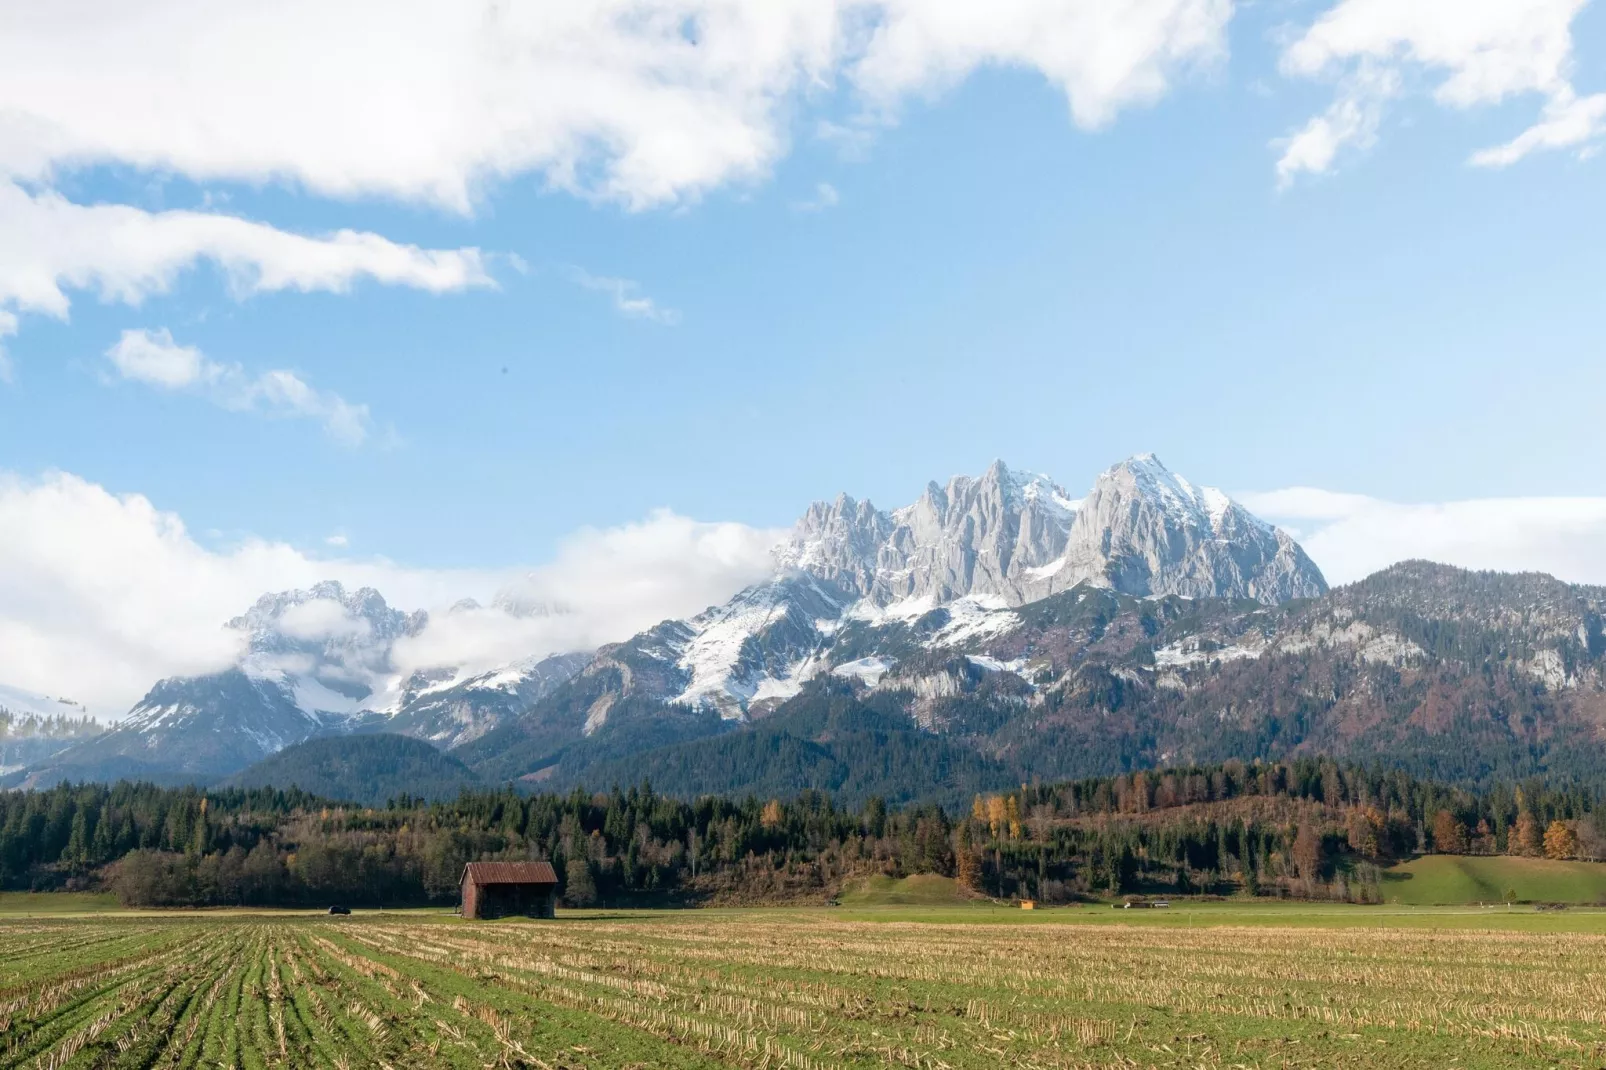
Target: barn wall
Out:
[508,900]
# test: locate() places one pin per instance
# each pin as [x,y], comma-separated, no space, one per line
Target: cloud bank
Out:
[103,594]
[1351,535]
[642,102]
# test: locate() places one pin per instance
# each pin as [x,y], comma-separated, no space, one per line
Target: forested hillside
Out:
[368,769]
[1308,828]
[1465,677]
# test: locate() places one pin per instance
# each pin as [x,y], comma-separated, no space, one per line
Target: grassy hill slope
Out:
[921,890]
[1456,879]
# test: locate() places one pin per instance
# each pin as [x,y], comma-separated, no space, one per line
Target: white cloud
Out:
[320,619]
[825,196]
[152,357]
[604,585]
[127,255]
[628,300]
[1568,121]
[642,102]
[1351,535]
[283,393]
[101,595]
[1103,56]
[1350,121]
[1483,51]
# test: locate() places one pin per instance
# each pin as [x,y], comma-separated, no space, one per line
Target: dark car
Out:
[340,910]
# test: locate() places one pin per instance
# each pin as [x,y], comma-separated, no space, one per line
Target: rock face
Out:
[450,713]
[198,727]
[952,565]
[1146,531]
[1019,537]
[981,536]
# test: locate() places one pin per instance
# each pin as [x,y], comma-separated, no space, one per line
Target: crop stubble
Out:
[776,990]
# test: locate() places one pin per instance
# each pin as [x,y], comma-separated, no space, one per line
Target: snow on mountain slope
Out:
[328,647]
[761,645]
[450,712]
[955,564]
[21,704]
[854,585]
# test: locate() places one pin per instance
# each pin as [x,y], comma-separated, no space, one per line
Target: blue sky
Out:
[931,263]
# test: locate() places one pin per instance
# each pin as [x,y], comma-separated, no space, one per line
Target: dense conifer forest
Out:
[1307,828]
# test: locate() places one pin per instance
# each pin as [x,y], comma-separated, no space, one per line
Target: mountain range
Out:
[994,630]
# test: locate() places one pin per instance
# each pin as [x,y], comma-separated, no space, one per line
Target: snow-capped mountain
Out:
[449,711]
[330,649]
[949,570]
[314,662]
[1143,530]
[857,591]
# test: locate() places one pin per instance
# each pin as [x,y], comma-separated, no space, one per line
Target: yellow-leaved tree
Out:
[1560,841]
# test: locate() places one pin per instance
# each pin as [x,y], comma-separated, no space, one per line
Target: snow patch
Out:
[868,670]
[974,619]
[1017,666]
[1186,653]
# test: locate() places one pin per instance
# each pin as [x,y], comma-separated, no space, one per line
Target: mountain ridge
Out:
[950,570]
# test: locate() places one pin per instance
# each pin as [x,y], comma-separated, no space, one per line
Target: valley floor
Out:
[979,985]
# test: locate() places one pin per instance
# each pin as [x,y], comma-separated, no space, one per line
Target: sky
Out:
[592,300]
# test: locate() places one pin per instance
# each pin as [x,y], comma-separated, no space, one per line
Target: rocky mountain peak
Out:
[1018,536]
[1145,530]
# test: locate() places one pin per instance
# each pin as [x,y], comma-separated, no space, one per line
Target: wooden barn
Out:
[509,889]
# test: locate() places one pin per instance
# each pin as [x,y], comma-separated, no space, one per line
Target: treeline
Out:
[1306,828]
[47,725]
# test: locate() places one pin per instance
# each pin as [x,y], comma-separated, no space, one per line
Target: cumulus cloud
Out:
[103,594]
[154,358]
[603,585]
[1351,535]
[638,101]
[1103,56]
[126,255]
[1350,121]
[628,300]
[1481,51]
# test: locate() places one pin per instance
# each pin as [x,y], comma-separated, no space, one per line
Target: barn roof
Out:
[510,873]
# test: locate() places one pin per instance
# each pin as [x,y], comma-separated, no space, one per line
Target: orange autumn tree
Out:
[1449,835]
[1526,837]
[966,869]
[1560,841]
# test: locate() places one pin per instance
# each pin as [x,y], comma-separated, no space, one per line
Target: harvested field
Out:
[803,989]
